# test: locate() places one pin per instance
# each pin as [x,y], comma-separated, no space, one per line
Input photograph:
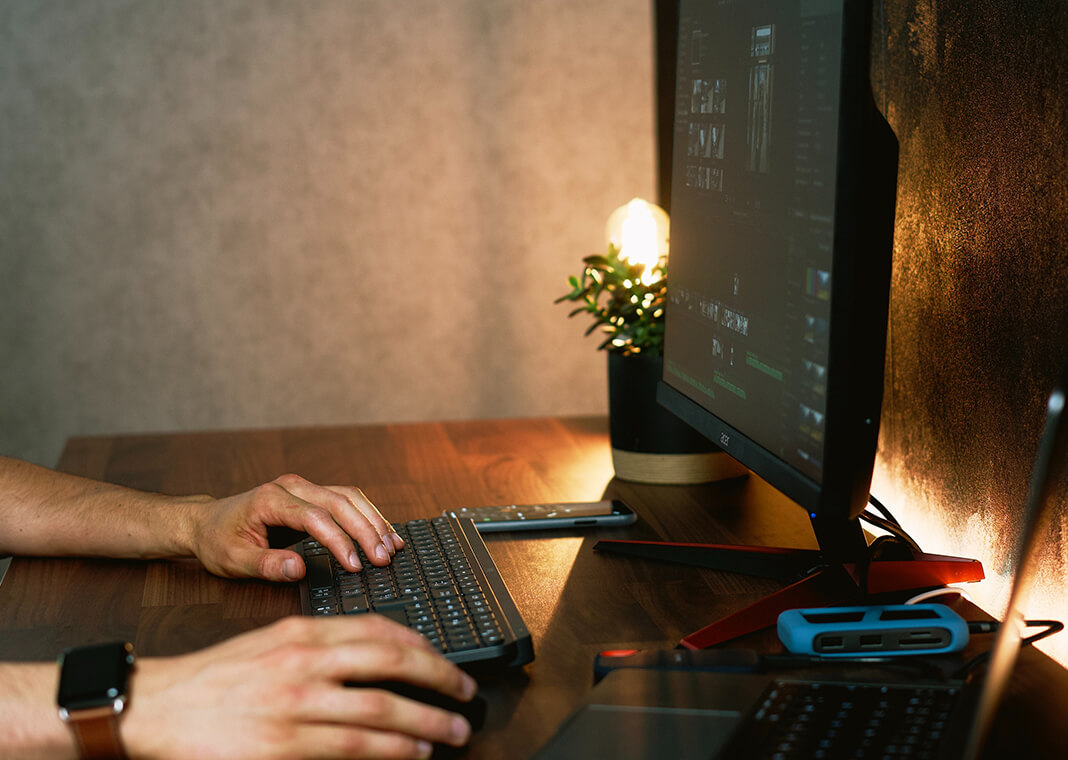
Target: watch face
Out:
[95,675]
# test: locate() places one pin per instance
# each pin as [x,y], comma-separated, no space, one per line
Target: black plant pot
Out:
[649,443]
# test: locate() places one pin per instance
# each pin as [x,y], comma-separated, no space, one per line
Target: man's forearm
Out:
[47,513]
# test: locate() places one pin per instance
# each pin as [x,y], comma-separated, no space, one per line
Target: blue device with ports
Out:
[875,631]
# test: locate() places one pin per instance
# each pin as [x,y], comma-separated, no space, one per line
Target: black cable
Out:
[892,528]
[991,626]
[885,512]
[1052,627]
[898,545]
[888,522]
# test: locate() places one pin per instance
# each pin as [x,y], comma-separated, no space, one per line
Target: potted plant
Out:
[624,291]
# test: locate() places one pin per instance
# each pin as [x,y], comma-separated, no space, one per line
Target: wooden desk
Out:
[575,602]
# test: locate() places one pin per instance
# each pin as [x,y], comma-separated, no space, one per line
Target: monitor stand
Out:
[815,578]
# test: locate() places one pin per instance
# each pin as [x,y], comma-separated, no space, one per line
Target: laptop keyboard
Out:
[443,585]
[820,721]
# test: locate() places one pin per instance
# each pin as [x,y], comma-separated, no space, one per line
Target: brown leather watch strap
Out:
[96,732]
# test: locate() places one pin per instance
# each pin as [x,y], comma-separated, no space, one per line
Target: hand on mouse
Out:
[229,536]
[279,692]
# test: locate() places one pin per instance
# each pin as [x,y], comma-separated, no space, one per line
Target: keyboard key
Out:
[355,604]
[394,613]
[320,576]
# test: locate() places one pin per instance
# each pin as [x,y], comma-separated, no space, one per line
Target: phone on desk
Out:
[543,516]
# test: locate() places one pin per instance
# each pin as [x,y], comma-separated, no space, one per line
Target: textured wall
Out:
[979,316]
[229,214]
[244,213]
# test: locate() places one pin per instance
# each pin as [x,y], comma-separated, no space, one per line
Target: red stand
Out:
[821,585]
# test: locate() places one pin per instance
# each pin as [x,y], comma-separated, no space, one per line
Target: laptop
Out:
[686,713]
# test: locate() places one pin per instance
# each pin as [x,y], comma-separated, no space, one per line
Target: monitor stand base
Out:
[812,581]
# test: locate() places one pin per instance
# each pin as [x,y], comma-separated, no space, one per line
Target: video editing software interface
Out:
[753,218]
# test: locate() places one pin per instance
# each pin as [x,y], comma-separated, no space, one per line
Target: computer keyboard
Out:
[820,721]
[442,584]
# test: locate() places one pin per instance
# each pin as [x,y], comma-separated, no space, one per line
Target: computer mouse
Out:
[474,711]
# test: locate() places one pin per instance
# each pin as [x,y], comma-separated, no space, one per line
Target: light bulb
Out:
[640,231]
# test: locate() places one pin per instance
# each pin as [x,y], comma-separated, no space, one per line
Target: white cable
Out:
[939,592]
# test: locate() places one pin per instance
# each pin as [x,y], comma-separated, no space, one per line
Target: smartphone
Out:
[542,516]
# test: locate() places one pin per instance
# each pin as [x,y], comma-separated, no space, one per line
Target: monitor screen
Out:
[782,208]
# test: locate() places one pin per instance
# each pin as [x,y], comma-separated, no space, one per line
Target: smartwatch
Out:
[93,684]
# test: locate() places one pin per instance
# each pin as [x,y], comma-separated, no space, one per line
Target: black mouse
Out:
[474,711]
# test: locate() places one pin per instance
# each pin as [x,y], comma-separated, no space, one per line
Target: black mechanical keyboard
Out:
[442,584]
[820,721]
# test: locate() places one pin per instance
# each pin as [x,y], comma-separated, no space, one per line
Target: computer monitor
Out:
[782,213]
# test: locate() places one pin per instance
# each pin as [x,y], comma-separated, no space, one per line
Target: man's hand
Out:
[279,692]
[230,535]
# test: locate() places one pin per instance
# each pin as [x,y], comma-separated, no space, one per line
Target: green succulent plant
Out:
[628,311]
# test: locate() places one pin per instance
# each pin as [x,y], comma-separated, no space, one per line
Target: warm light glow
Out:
[640,231]
[984,538]
[540,600]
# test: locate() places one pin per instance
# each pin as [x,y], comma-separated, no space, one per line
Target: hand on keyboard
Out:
[444,586]
[230,536]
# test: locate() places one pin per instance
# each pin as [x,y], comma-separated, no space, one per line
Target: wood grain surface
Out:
[576,602]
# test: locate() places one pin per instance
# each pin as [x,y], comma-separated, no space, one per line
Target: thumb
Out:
[279,565]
